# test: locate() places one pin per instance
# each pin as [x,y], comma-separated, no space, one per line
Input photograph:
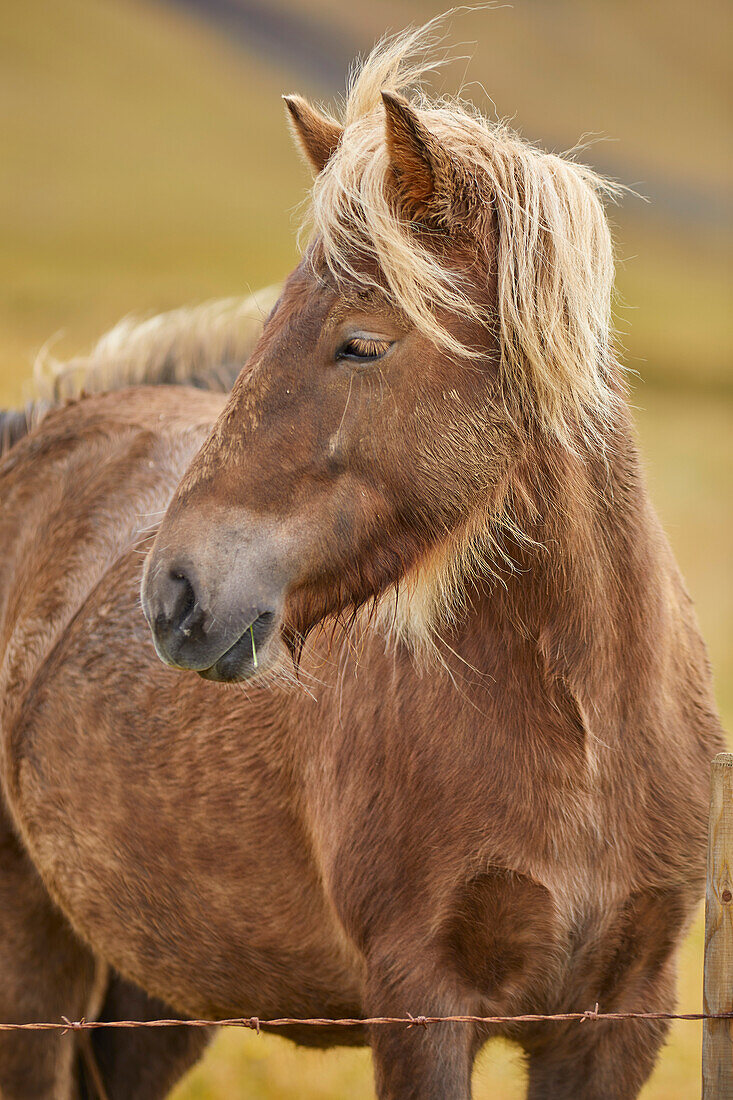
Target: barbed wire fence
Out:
[254,1023]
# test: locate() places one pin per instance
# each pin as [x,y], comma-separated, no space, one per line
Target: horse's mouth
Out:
[247,656]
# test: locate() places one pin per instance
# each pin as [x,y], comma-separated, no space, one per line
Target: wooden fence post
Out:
[717,1035]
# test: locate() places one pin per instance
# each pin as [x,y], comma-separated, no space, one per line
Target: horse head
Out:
[452,306]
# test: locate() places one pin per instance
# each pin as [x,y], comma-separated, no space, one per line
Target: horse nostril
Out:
[185,613]
[186,598]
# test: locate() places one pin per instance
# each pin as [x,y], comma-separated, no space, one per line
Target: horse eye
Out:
[363,349]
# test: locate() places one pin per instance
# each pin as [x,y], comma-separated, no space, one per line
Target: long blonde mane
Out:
[553,256]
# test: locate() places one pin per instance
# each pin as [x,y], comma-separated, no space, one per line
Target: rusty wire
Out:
[254,1023]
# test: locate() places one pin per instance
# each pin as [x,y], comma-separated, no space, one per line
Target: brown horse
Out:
[463,765]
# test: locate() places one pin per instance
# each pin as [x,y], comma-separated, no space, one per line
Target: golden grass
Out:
[648,79]
[146,163]
[132,171]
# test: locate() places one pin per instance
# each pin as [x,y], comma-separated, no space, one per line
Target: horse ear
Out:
[316,135]
[422,168]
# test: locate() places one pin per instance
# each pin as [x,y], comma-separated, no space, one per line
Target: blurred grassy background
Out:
[145,162]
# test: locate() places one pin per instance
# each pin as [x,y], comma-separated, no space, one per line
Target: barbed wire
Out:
[254,1023]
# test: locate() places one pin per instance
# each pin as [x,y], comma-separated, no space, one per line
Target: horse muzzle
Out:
[224,626]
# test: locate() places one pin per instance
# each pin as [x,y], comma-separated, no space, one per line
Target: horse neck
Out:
[584,589]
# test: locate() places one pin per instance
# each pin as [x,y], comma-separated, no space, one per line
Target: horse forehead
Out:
[314,299]
[304,305]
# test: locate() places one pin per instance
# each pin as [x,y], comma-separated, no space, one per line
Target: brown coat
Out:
[522,830]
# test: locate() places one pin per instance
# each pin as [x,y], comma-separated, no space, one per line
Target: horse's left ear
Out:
[317,135]
[424,176]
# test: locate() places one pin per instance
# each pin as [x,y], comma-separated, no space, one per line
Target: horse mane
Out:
[203,346]
[553,257]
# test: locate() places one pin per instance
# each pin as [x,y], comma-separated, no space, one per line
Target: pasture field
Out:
[146,163]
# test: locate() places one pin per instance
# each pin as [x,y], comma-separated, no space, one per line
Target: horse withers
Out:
[461,765]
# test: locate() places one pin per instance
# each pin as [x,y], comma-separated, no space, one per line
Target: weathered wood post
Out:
[717,1035]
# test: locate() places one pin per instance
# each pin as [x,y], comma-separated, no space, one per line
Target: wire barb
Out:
[417,1021]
